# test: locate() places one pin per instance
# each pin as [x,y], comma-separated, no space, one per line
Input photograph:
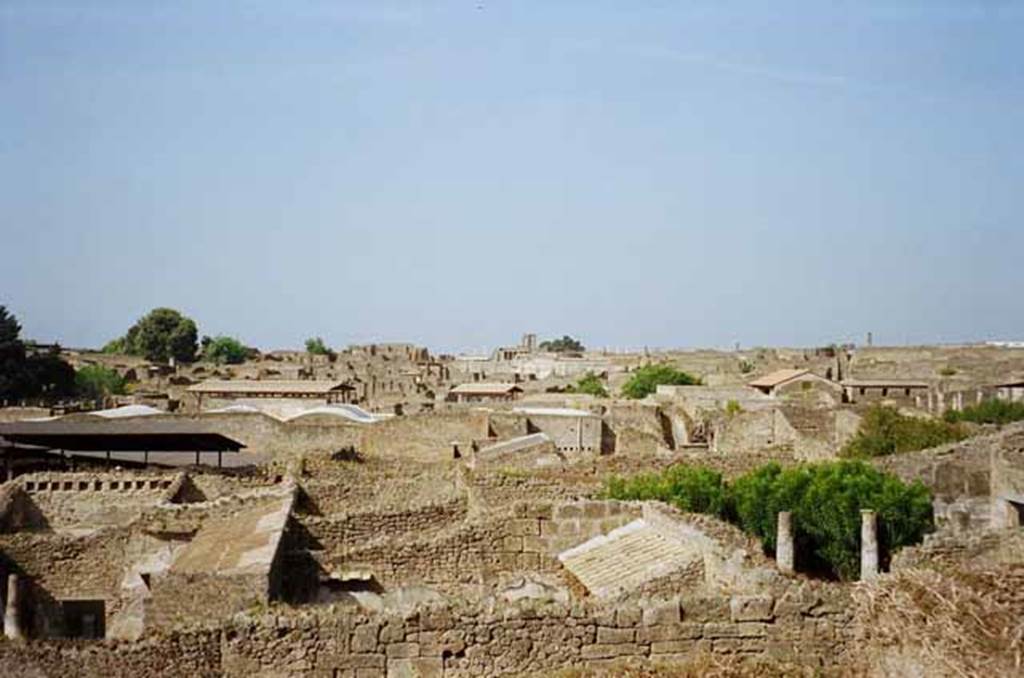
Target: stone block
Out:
[673,647]
[403,650]
[421,667]
[534,545]
[706,608]
[526,527]
[661,612]
[600,651]
[616,635]
[393,632]
[669,632]
[364,638]
[569,511]
[512,544]
[595,509]
[628,617]
[751,608]
[361,661]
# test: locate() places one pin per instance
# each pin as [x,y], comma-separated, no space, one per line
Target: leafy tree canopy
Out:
[24,375]
[646,380]
[883,430]
[564,345]
[316,346]
[160,335]
[224,350]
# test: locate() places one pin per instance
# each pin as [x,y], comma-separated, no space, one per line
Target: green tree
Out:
[160,335]
[96,382]
[564,345]
[590,384]
[12,357]
[49,376]
[224,350]
[883,430]
[646,380]
[316,346]
[29,374]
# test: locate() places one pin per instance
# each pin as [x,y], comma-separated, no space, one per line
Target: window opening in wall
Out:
[1017,512]
[84,618]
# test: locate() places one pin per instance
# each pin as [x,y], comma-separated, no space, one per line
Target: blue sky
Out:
[457,173]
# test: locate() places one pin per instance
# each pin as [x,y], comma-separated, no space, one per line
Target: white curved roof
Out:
[126,411]
[350,412]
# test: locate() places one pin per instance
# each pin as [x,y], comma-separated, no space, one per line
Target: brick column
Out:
[868,545]
[12,616]
[784,543]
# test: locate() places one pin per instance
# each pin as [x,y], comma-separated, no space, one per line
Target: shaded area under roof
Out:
[119,436]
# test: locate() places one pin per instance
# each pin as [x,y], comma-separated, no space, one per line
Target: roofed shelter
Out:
[325,391]
[484,393]
[172,443]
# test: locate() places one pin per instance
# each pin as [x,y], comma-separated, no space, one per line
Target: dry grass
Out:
[964,623]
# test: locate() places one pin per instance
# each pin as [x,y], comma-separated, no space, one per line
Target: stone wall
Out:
[806,624]
[800,626]
[638,427]
[427,437]
[959,476]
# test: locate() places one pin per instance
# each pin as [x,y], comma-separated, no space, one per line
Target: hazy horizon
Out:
[456,174]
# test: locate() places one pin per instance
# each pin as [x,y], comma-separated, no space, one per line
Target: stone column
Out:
[784,543]
[868,545]
[12,616]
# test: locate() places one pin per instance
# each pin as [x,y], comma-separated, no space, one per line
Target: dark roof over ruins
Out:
[120,436]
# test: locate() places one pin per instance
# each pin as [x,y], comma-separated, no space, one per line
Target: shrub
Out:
[825,501]
[646,380]
[885,431]
[988,412]
[733,407]
[590,384]
[689,488]
[96,382]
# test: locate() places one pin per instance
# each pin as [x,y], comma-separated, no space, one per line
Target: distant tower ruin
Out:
[529,342]
[870,339]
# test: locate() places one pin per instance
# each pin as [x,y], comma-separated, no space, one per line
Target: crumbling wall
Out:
[959,476]
[427,437]
[638,427]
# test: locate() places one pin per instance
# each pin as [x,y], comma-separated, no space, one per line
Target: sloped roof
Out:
[484,388]
[776,378]
[553,412]
[282,386]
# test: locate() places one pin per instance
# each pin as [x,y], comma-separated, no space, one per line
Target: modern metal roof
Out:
[121,436]
[484,388]
[883,383]
[776,378]
[553,412]
[265,386]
